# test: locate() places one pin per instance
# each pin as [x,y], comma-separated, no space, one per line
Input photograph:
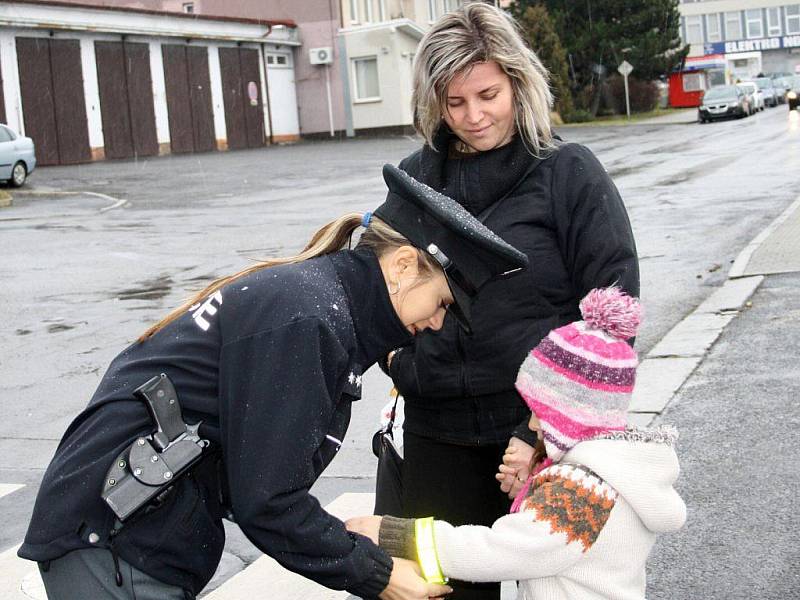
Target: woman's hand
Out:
[369,526]
[516,466]
[406,583]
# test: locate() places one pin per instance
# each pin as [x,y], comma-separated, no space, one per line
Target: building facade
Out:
[741,39]
[88,83]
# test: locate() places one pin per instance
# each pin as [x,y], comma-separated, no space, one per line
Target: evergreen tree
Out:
[541,36]
[599,34]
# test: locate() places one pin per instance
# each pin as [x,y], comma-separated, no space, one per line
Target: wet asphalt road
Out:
[83,275]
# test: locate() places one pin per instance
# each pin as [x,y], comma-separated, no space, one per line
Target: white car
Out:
[756,95]
[17,156]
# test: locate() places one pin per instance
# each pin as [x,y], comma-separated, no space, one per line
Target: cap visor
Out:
[460,308]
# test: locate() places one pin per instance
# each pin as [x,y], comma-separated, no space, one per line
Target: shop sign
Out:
[769,43]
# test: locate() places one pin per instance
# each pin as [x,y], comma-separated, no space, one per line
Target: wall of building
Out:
[393,51]
[85,27]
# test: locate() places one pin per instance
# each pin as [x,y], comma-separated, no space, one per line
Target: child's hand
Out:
[510,483]
[369,526]
[516,466]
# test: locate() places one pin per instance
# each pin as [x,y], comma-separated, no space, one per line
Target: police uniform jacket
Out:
[270,364]
[566,215]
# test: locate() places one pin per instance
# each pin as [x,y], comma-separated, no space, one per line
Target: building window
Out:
[793,19]
[694,30]
[432,15]
[755,24]
[188,7]
[733,26]
[365,71]
[713,28]
[382,10]
[368,11]
[693,82]
[354,11]
[278,60]
[774,21]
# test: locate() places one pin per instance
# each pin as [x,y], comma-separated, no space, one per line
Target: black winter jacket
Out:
[565,213]
[271,365]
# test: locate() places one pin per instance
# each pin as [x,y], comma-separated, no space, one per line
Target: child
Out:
[583,524]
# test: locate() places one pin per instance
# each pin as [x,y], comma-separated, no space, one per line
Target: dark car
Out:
[723,101]
[793,96]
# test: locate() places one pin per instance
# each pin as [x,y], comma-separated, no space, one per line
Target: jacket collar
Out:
[377,326]
[489,175]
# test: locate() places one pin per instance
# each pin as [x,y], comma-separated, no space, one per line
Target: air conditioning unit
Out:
[321,56]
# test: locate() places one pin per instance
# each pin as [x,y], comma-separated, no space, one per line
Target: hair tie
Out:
[366,219]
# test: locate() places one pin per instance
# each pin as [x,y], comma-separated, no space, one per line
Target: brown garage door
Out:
[53,106]
[126,99]
[191,117]
[244,119]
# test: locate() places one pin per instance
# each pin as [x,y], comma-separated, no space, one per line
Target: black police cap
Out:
[470,253]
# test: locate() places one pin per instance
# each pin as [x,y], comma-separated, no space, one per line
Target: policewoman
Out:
[234,404]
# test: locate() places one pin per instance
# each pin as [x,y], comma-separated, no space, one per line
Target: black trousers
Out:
[456,484]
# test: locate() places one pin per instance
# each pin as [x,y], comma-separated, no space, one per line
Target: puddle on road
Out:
[151,289]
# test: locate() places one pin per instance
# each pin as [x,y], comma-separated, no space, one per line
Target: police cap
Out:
[469,253]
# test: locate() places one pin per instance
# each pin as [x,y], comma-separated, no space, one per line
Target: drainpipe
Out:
[266,82]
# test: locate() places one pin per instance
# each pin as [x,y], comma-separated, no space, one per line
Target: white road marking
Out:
[265,578]
[7,488]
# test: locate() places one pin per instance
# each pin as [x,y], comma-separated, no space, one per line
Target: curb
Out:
[675,357]
[740,264]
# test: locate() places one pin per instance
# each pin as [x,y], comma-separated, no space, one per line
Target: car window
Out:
[720,93]
[4,135]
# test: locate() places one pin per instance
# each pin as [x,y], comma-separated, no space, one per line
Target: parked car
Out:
[723,101]
[17,156]
[771,95]
[754,96]
[793,96]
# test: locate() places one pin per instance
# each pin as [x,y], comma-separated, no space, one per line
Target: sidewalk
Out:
[739,415]
[677,117]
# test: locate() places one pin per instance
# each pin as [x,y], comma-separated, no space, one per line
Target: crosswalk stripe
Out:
[265,578]
[7,488]
[14,587]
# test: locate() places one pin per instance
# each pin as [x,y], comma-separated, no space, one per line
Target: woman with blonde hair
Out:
[481,101]
[233,405]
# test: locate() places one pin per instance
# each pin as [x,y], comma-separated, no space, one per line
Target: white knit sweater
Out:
[585,528]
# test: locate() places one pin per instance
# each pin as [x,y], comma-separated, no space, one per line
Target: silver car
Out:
[17,156]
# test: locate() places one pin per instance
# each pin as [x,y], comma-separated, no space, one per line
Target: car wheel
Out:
[18,174]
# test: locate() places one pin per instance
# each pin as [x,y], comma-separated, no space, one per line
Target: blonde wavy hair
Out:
[475,33]
[336,235]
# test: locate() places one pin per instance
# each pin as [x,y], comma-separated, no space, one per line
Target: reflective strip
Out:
[426,551]
[334,440]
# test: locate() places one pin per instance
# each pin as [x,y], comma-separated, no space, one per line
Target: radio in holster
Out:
[151,464]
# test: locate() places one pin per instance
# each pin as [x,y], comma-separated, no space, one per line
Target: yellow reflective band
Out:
[426,551]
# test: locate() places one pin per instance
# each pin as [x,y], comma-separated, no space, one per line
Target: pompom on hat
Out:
[579,379]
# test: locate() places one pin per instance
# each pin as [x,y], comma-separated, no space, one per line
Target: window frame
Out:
[729,18]
[774,29]
[697,21]
[714,17]
[357,99]
[792,18]
[748,20]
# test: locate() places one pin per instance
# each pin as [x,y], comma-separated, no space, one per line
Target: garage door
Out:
[126,99]
[191,117]
[241,93]
[53,106]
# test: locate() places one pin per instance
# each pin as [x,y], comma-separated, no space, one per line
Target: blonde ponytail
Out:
[330,238]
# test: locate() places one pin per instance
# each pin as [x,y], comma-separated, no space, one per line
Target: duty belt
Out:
[151,464]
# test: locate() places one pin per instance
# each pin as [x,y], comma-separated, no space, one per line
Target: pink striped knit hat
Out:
[579,379]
